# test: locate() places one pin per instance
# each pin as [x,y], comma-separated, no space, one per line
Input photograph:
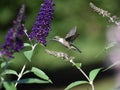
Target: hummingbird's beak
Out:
[52,39]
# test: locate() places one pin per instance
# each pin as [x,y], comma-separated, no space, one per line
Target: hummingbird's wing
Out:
[71,35]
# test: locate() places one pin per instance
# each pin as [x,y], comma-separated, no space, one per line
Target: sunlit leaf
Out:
[27,45]
[3,64]
[32,80]
[78,65]
[9,86]
[28,54]
[76,83]
[94,73]
[40,74]
[10,71]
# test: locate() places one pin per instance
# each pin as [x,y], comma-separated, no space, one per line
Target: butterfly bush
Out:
[40,30]
[13,42]
[42,24]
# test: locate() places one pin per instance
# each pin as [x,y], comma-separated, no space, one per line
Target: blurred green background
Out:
[68,13]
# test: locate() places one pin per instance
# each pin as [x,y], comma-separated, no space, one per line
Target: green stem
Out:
[20,74]
[93,88]
[90,82]
[28,36]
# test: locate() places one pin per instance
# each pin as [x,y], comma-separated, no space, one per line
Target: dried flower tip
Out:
[60,54]
[105,14]
[19,22]
[99,10]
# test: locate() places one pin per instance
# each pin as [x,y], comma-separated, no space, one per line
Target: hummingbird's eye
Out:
[55,37]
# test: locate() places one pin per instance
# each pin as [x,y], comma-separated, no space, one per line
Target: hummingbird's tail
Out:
[76,48]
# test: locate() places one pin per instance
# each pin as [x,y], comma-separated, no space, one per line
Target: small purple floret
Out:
[13,42]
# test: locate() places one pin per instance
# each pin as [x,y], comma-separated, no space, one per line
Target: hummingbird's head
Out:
[56,38]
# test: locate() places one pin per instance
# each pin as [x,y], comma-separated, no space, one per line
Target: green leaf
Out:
[28,54]
[3,64]
[26,44]
[9,86]
[32,80]
[40,74]
[78,65]
[41,44]
[9,71]
[76,83]
[94,73]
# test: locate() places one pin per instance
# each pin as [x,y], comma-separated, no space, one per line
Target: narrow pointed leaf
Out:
[32,80]
[9,86]
[9,71]
[76,83]
[40,74]
[94,73]
[3,64]
[28,54]
[78,65]
[26,44]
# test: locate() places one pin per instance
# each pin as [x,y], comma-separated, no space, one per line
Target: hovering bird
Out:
[68,40]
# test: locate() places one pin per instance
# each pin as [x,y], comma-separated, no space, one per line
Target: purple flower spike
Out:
[13,41]
[41,27]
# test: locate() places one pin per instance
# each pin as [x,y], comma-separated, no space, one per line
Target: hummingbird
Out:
[68,40]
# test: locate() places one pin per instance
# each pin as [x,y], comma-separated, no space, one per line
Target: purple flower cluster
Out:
[41,27]
[13,42]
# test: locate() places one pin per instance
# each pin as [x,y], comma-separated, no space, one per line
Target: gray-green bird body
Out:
[68,40]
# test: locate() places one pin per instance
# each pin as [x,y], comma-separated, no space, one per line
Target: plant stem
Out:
[93,88]
[28,36]
[20,74]
[90,82]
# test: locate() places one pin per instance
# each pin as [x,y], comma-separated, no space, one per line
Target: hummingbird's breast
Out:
[64,42]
